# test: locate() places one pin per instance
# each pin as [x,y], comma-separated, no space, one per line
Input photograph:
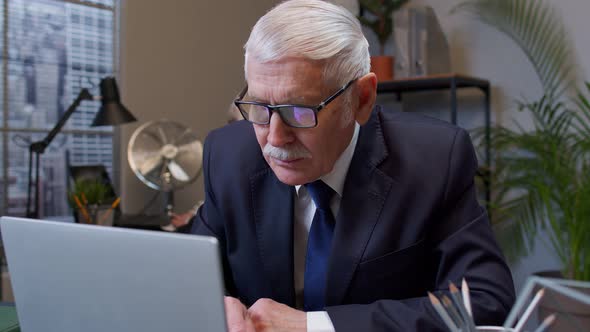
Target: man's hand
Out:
[270,316]
[179,220]
[237,316]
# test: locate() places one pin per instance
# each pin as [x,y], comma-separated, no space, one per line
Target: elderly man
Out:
[334,214]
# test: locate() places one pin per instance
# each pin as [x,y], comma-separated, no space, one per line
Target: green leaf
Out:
[534,26]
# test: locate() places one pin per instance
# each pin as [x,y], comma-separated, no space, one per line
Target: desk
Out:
[150,222]
[141,221]
[452,82]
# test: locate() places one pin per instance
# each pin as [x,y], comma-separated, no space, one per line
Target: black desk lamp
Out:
[111,113]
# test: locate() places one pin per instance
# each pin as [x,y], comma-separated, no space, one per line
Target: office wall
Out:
[181,60]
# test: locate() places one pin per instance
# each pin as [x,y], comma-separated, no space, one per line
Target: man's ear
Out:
[366,93]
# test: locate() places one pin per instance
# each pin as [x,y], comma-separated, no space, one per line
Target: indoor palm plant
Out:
[549,168]
[541,176]
[381,23]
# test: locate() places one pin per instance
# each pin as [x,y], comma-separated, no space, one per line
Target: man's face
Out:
[299,155]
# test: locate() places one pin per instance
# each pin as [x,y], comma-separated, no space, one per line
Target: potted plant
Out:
[541,174]
[538,171]
[93,201]
[549,168]
[381,23]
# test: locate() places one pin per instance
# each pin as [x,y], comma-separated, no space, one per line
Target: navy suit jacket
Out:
[409,222]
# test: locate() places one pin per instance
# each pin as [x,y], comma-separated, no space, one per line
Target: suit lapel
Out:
[273,215]
[364,194]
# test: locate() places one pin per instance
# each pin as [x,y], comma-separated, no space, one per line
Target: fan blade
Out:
[192,147]
[180,137]
[162,135]
[190,162]
[153,136]
[149,164]
[177,172]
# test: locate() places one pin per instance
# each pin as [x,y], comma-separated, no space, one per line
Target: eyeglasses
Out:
[297,116]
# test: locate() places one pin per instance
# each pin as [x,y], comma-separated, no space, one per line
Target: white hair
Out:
[314,30]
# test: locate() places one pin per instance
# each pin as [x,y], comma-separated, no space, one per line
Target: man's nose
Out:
[279,134]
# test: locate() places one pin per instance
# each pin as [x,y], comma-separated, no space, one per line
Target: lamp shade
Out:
[111,112]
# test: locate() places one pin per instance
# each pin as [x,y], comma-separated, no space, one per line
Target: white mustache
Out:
[290,152]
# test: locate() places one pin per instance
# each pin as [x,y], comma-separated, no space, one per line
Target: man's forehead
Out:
[296,66]
[276,96]
[288,80]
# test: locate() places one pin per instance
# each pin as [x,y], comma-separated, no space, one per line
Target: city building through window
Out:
[50,50]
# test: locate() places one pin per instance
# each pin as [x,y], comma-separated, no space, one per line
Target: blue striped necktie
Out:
[319,244]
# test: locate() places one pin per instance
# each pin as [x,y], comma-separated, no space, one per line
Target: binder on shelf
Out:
[401,37]
[421,47]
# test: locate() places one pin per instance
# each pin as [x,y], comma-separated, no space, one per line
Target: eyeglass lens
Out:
[294,116]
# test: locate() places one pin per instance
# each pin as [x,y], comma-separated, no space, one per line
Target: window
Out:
[51,53]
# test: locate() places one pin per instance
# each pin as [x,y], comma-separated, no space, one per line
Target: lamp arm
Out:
[40,146]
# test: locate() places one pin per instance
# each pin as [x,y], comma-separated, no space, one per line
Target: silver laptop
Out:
[70,277]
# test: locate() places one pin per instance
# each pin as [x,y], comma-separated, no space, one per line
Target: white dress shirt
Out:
[317,321]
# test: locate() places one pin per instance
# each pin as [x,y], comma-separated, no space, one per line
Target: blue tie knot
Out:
[321,194]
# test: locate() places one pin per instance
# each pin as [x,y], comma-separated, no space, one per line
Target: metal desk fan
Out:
[166,156]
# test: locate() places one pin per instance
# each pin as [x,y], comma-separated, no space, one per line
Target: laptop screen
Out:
[71,277]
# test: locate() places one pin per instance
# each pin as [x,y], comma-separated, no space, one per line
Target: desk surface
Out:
[154,222]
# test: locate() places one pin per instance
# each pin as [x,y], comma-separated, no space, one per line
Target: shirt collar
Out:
[335,179]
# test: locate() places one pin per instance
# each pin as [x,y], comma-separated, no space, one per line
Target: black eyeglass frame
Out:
[277,108]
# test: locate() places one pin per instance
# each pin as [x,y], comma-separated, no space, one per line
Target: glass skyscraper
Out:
[50,51]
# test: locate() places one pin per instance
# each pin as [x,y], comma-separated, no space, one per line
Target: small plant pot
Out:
[96,214]
[382,66]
